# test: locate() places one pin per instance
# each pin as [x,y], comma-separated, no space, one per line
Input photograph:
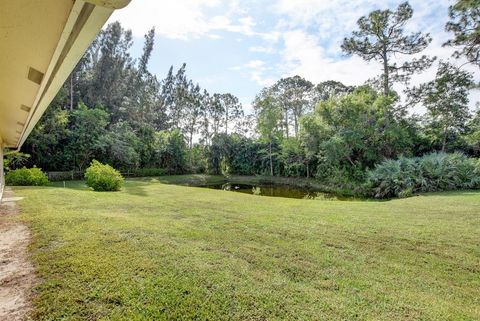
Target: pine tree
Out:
[465,25]
[381,37]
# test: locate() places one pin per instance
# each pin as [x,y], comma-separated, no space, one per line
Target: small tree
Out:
[312,131]
[381,36]
[269,117]
[472,136]
[446,100]
[232,109]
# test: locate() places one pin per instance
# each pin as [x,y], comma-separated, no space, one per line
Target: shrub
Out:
[102,177]
[429,173]
[26,177]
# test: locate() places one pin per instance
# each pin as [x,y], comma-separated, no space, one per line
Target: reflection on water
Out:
[278,191]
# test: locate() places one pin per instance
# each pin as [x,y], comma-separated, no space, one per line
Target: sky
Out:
[242,46]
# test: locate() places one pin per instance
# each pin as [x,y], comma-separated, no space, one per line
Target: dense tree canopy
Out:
[446,100]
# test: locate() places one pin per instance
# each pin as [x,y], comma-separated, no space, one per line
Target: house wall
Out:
[2,179]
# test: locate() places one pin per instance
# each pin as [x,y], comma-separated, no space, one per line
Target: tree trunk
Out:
[226,121]
[386,85]
[286,122]
[271,162]
[71,91]
[295,119]
[308,171]
[444,141]
[190,142]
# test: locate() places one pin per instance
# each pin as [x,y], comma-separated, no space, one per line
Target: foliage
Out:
[46,144]
[234,154]
[352,133]
[472,135]
[446,100]
[147,172]
[293,96]
[329,89]
[198,159]
[429,173]
[26,177]
[89,126]
[465,25]
[14,159]
[292,157]
[269,118]
[171,151]
[103,178]
[119,146]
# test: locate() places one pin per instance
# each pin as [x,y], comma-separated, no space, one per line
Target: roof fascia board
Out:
[112,4]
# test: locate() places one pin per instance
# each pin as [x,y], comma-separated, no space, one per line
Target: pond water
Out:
[278,191]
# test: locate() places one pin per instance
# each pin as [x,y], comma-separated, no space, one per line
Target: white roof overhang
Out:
[41,41]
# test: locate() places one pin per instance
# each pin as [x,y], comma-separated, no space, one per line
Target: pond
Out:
[278,191]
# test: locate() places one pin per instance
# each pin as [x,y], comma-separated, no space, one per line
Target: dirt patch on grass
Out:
[17,274]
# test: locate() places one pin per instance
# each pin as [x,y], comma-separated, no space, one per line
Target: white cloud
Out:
[256,71]
[331,17]
[214,36]
[255,64]
[261,49]
[185,19]
[178,19]
[304,56]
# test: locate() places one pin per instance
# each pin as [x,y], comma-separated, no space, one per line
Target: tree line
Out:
[113,109]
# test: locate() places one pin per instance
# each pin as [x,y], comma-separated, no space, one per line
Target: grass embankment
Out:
[164,252]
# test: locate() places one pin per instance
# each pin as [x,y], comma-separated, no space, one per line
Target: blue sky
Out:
[241,46]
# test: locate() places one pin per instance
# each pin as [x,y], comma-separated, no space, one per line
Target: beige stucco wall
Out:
[2,179]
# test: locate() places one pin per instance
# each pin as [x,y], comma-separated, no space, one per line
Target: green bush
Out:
[102,177]
[26,177]
[429,173]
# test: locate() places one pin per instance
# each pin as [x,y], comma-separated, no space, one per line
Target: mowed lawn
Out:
[164,252]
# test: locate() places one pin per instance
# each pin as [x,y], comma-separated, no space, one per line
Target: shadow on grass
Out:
[465,192]
[137,186]
[192,180]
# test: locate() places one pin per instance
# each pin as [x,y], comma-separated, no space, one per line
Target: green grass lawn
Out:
[164,252]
